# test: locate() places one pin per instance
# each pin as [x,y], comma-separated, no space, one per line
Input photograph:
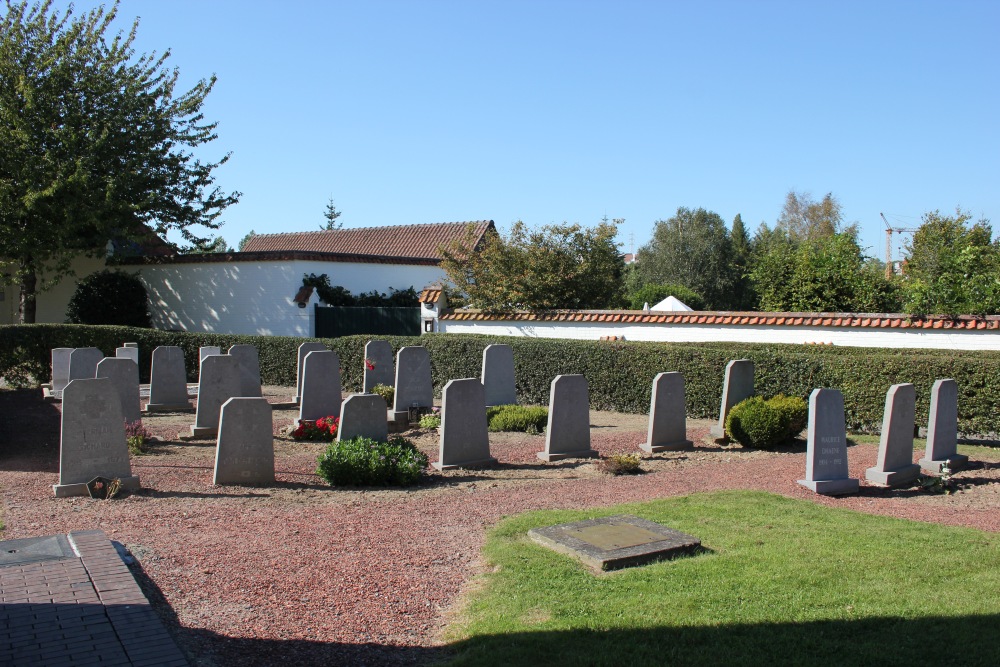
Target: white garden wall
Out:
[50,304]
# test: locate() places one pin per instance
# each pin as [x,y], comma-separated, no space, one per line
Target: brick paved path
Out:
[81,608]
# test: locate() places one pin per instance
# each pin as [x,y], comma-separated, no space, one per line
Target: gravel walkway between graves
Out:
[303,574]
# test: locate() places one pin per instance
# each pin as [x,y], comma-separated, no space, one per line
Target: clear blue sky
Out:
[551,111]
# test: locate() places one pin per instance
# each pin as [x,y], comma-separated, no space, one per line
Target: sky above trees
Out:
[417,112]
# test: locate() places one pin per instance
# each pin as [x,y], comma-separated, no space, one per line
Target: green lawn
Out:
[784,582]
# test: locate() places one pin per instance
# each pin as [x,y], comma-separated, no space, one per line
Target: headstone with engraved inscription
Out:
[244,451]
[826,447]
[895,464]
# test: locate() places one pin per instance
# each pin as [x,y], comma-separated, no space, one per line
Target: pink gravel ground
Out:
[301,573]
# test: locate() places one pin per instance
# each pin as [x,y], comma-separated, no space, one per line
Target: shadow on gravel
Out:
[154,493]
[29,429]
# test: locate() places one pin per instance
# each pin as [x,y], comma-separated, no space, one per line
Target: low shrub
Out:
[431,419]
[386,392]
[110,297]
[529,419]
[794,412]
[322,430]
[365,462]
[756,423]
[136,435]
[620,464]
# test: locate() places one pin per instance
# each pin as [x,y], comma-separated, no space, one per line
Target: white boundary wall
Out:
[50,304]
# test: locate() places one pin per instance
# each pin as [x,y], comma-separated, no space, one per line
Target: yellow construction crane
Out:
[889,229]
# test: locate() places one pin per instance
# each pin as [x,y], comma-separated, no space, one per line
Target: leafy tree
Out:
[692,249]
[336,295]
[212,244]
[803,218]
[556,266]
[95,144]
[331,214]
[110,297]
[653,294]
[245,240]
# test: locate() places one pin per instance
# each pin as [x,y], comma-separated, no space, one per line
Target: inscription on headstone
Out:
[219,381]
[667,415]
[379,367]
[942,429]
[244,451]
[363,415]
[498,375]
[414,385]
[249,369]
[304,349]
[737,387]
[895,450]
[567,435]
[124,376]
[168,381]
[464,437]
[320,386]
[826,447]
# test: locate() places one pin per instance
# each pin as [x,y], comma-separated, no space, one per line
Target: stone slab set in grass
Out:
[667,415]
[124,375]
[465,440]
[244,451]
[942,429]
[92,438]
[168,381]
[826,446]
[567,435]
[895,465]
[378,355]
[615,542]
[498,375]
[737,387]
[320,389]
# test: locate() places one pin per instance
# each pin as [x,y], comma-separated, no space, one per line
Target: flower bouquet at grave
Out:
[369,364]
[322,430]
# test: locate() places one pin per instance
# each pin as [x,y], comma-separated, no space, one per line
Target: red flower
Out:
[369,364]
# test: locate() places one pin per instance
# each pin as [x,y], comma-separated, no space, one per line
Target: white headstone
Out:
[895,450]
[414,386]
[567,435]
[249,369]
[304,349]
[208,350]
[737,387]
[498,375]
[131,344]
[363,415]
[942,429]
[320,386]
[378,355]
[465,440]
[667,415]
[60,368]
[219,381]
[124,376]
[826,447]
[128,353]
[92,439]
[168,381]
[83,363]
[244,451]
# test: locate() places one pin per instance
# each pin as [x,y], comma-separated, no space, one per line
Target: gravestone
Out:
[414,386]
[92,439]
[219,381]
[83,363]
[567,435]
[207,350]
[942,429]
[304,349]
[124,376]
[498,375]
[130,344]
[667,415]
[826,447]
[363,415]
[244,451]
[128,353]
[168,381]
[379,354]
[60,368]
[895,450]
[320,386]
[465,440]
[249,369]
[737,387]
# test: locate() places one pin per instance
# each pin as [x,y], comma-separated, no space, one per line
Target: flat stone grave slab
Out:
[615,542]
[35,550]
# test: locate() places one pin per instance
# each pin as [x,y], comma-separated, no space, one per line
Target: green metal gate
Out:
[334,321]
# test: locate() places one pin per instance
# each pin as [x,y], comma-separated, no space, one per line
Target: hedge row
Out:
[620,374]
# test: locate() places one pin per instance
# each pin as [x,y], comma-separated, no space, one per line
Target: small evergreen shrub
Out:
[110,297]
[620,464]
[755,423]
[386,392]
[431,419]
[365,462]
[794,412]
[529,419]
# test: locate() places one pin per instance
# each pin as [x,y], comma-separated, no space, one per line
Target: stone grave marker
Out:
[60,368]
[942,429]
[498,375]
[92,439]
[567,435]
[667,415]
[737,387]
[168,381]
[895,450]
[379,354]
[130,344]
[320,386]
[244,451]
[207,350]
[249,369]
[826,447]
[363,415]
[219,381]
[304,349]
[414,386]
[128,353]
[124,376]
[83,363]
[464,438]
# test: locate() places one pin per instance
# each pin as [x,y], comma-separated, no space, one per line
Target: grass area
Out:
[974,452]
[785,582]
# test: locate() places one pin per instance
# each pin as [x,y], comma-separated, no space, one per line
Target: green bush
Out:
[755,423]
[365,462]
[653,294]
[530,419]
[386,392]
[110,297]
[430,420]
[794,412]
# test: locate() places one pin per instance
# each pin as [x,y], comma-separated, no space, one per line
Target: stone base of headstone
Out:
[896,477]
[718,432]
[51,396]
[484,463]
[958,462]
[199,432]
[584,454]
[401,417]
[168,407]
[667,446]
[287,405]
[69,490]
[832,487]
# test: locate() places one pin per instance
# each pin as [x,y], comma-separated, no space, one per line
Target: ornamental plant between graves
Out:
[432,419]
[385,391]
[765,424]
[529,419]
[322,430]
[365,462]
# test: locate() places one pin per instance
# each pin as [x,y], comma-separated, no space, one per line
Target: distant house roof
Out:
[419,242]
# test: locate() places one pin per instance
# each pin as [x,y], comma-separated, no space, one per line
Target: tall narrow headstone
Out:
[320,386]
[92,440]
[244,451]
[207,350]
[124,376]
[168,381]
[567,435]
[737,387]
[83,363]
[826,447]
[128,353]
[363,415]
[942,429]
[249,369]
[895,450]
[667,415]
[498,375]
[60,368]
[378,365]
[414,386]
[219,381]
[465,439]
[304,349]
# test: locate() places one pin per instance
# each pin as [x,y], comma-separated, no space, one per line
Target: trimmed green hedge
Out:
[620,374]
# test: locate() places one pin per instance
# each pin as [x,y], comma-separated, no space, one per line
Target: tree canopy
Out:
[331,214]
[804,218]
[96,144]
